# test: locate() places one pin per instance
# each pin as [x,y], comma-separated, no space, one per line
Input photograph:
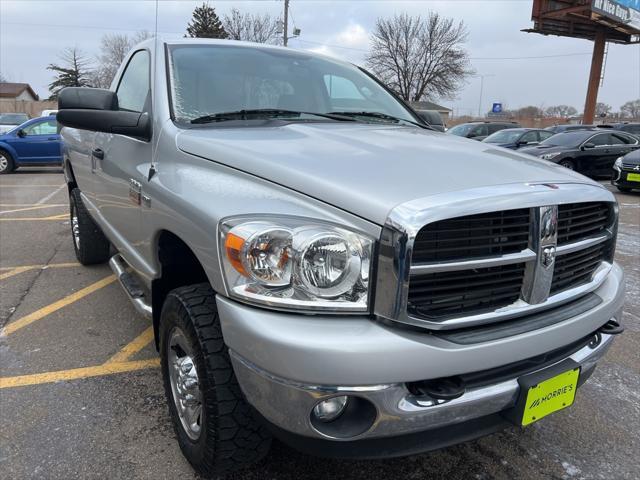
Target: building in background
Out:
[444,112]
[21,98]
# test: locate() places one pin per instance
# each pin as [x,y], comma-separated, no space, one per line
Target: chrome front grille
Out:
[452,271]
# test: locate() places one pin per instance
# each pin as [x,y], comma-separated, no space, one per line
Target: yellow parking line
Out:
[62,216]
[25,268]
[17,205]
[77,373]
[133,347]
[28,186]
[25,209]
[63,302]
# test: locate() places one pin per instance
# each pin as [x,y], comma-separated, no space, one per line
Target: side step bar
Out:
[131,286]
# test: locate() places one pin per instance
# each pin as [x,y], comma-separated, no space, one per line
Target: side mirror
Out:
[21,133]
[589,145]
[97,110]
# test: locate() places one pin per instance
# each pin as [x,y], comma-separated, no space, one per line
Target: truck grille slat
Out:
[473,236]
[491,288]
[579,220]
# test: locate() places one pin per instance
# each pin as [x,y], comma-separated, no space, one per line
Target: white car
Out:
[9,121]
[46,113]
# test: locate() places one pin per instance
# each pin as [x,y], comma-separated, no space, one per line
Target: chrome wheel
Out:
[4,162]
[75,227]
[185,386]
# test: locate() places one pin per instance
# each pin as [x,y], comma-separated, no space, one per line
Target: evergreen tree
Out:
[205,23]
[73,72]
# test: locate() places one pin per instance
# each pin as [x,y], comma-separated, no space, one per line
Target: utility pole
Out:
[285,24]
[481,89]
[594,78]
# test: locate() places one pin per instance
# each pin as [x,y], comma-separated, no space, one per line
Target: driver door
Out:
[121,163]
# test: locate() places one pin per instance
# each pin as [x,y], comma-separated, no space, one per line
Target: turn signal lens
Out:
[260,251]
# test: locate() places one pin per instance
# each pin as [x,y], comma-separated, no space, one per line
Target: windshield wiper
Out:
[382,116]
[245,114]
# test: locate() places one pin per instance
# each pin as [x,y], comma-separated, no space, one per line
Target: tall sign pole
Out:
[594,77]
[285,33]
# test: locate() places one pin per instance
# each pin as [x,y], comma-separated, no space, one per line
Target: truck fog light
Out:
[330,409]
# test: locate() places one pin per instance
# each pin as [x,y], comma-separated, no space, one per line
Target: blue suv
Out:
[35,142]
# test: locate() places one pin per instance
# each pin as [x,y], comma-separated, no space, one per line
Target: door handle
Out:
[98,153]
[52,138]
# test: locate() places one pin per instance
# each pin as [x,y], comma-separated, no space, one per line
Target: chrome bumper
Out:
[288,404]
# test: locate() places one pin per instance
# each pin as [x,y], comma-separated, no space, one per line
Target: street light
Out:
[481,88]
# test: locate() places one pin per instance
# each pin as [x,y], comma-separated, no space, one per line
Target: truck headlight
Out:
[296,263]
[549,156]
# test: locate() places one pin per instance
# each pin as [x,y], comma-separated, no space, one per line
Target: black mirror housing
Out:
[132,124]
[21,133]
[97,110]
[87,99]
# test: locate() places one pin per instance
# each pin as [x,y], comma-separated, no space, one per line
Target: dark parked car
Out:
[591,152]
[480,130]
[433,118]
[632,128]
[516,138]
[571,128]
[626,172]
[35,142]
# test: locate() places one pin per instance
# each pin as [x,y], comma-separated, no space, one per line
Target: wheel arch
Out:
[9,149]
[179,266]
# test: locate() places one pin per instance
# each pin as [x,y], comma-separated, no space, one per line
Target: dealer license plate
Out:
[549,396]
[633,177]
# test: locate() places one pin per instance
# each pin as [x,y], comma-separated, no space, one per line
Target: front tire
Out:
[214,424]
[566,163]
[7,164]
[89,243]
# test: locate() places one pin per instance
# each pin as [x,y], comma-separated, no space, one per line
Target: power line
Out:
[102,27]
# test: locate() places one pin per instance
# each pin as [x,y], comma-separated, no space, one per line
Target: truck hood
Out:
[366,169]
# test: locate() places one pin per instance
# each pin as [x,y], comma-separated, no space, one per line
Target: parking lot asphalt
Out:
[81,393]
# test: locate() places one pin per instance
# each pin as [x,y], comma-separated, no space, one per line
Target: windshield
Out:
[461,130]
[566,139]
[503,136]
[13,118]
[214,79]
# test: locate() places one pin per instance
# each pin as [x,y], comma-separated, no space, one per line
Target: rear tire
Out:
[214,424]
[567,164]
[89,243]
[7,164]
[624,189]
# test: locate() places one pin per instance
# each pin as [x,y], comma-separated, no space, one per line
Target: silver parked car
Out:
[320,266]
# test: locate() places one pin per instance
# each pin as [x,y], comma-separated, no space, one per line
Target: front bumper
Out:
[619,179]
[287,363]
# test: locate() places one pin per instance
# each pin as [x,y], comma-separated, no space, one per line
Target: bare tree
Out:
[418,57]
[251,28]
[563,111]
[3,78]
[113,50]
[530,111]
[631,108]
[73,71]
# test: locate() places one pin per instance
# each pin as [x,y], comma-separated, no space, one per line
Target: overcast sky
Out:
[32,33]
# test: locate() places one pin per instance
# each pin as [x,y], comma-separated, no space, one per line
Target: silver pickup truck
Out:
[322,267]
